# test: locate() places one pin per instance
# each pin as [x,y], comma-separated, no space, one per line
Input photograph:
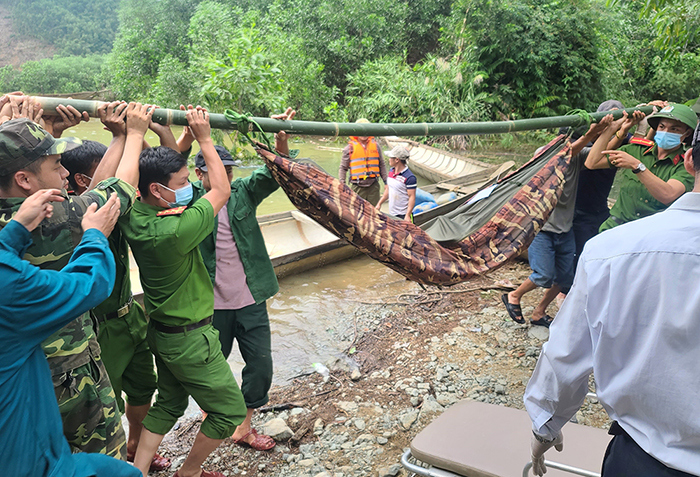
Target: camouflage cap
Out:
[23,142]
[679,112]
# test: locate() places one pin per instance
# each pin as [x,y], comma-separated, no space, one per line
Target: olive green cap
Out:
[23,142]
[679,112]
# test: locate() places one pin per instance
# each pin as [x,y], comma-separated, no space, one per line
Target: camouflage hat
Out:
[23,142]
[398,152]
[679,112]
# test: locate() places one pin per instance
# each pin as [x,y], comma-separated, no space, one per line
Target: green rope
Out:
[585,116]
[246,125]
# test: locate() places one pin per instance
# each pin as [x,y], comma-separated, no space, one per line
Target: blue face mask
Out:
[667,140]
[183,195]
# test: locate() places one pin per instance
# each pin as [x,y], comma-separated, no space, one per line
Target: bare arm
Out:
[112,116]
[281,139]
[384,198]
[411,204]
[184,142]
[220,192]
[596,159]
[664,192]
[138,117]
[165,134]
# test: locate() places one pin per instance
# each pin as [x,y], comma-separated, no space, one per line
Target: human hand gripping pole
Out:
[538,446]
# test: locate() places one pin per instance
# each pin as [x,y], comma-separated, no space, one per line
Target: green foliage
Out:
[57,75]
[245,80]
[540,57]
[676,23]
[149,31]
[174,85]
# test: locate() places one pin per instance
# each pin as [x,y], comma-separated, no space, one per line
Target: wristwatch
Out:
[640,168]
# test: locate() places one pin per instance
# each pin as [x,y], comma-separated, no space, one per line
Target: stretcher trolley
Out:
[475,439]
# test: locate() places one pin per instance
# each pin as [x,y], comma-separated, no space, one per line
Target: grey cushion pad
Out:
[476,439]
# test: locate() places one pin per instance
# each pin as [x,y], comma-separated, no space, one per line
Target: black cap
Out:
[225,156]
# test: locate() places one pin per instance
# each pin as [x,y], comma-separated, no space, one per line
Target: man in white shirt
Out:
[633,319]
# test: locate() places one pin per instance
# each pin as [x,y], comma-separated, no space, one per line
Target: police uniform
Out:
[635,201]
[178,296]
[121,333]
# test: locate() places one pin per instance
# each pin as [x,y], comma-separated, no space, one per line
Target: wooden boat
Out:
[435,164]
[297,243]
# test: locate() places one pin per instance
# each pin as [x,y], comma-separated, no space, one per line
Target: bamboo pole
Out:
[316,128]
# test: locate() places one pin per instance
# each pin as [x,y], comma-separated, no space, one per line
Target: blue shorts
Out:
[551,257]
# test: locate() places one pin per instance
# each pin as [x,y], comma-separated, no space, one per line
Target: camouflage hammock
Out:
[475,238]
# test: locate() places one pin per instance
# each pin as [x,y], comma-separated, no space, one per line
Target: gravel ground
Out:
[404,364]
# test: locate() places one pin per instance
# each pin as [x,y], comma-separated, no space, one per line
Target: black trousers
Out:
[624,458]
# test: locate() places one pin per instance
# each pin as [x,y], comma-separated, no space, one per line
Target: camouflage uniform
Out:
[91,419]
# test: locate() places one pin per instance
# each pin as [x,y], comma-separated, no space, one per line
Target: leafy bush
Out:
[58,75]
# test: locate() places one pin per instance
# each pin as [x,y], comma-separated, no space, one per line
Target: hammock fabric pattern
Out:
[405,247]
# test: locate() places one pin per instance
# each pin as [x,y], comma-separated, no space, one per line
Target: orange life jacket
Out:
[364,162]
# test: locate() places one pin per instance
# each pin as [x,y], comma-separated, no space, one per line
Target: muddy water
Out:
[313,310]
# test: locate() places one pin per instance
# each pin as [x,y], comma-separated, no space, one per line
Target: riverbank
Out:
[405,364]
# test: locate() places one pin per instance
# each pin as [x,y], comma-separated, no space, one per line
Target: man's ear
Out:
[22,179]
[153,190]
[199,173]
[80,180]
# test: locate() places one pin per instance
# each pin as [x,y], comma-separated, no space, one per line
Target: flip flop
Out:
[514,311]
[157,464]
[545,321]
[260,443]
[205,473]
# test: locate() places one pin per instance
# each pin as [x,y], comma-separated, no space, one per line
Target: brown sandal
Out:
[261,442]
[157,464]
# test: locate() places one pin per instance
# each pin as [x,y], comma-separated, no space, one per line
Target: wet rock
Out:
[277,429]
[296,411]
[538,332]
[347,406]
[500,389]
[415,401]
[408,419]
[360,424]
[356,374]
[382,440]
[430,405]
[391,471]
[318,426]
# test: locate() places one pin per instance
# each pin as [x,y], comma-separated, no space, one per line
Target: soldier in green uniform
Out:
[653,174]
[29,161]
[121,321]
[164,235]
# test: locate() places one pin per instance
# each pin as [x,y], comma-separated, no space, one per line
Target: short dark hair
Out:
[158,164]
[81,159]
[33,167]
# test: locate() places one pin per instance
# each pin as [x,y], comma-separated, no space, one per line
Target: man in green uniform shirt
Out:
[653,174]
[164,235]
[120,320]
[29,161]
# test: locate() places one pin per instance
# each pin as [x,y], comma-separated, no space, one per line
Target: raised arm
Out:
[165,135]
[112,116]
[281,139]
[596,159]
[220,192]
[138,117]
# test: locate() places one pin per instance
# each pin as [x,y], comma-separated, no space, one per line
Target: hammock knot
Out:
[245,124]
[585,116]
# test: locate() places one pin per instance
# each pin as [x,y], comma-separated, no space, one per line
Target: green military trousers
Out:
[127,358]
[191,364]
[250,326]
[91,419]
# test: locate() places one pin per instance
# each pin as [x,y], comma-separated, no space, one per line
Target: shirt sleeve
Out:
[194,225]
[382,164]
[411,182]
[344,164]
[559,383]
[683,177]
[260,184]
[125,191]
[43,301]
[15,238]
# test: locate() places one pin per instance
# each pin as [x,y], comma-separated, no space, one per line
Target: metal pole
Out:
[316,128]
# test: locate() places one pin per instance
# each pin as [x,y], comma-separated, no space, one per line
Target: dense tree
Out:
[57,75]
[76,27]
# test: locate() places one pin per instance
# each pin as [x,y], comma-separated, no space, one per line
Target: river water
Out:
[314,309]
